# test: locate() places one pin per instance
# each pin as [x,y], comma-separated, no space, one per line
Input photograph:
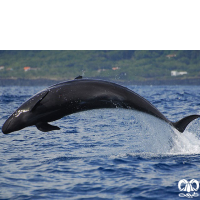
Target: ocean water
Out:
[103,154]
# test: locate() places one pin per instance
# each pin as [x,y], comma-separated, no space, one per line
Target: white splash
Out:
[185,143]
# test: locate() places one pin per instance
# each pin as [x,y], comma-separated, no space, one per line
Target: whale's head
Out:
[17,121]
[24,116]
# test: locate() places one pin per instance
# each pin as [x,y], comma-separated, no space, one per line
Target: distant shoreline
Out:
[48,82]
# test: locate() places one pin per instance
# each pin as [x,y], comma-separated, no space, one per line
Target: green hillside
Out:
[123,65]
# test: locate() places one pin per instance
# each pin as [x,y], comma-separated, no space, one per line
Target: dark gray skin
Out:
[79,95]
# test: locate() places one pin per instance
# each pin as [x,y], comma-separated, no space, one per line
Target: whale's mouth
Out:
[5,128]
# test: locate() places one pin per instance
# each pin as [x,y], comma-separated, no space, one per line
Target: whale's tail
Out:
[182,124]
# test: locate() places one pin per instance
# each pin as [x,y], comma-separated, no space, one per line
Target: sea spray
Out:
[185,143]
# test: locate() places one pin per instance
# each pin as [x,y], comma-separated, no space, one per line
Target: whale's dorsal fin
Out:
[79,77]
[45,127]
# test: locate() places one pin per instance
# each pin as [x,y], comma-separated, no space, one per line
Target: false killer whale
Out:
[79,95]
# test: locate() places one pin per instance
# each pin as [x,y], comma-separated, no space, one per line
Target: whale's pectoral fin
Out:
[36,101]
[45,127]
[182,124]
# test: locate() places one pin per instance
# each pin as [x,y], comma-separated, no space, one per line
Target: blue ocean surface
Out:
[103,154]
